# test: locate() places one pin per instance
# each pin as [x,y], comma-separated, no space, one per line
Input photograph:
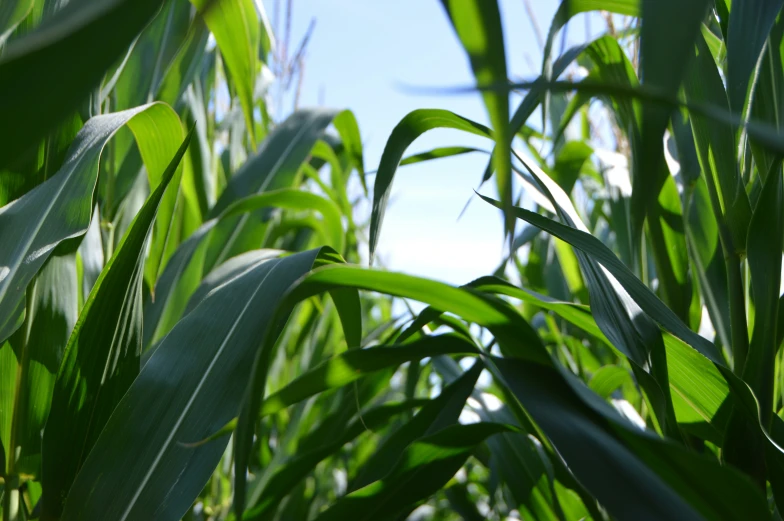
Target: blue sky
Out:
[361,55]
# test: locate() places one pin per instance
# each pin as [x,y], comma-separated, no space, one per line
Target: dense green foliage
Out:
[186,330]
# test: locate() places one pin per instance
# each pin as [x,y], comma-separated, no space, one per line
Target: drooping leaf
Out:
[181,278]
[619,317]
[489,312]
[567,9]
[61,207]
[353,364]
[641,294]
[699,390]
[642,475]
[410,127]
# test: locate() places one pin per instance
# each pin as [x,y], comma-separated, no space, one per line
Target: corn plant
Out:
[188,333]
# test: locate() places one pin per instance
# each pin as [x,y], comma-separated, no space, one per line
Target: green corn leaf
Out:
[715,143]
[8,369]
[744,446]
[354,364]
[489,312]
[478,26]
[664,220]
[666,232]
[742,394]
[521,461]
[424,467]
[35,353]
[99,363]
[287,476]
[180,278]
[138,76]
[299,200]
[432,417]
[91,256]
[348,129]
[437,153]
[641,294]
[699,387]
[184,66]
[347,302]
[700,391]
[177,282]
[766,135]
[172,401]
[750,23]
[278,158]
[571,8]
[461,502]
[61,207]
[619,317]
[37,167]
[73,51]
[226,272]
[567,9]
[607,379]
[702,236]
[536,96]
[504,322]
[274,166]
[664,57]
[569,162]
[649,478]
[765,94]
[237,30]
[167,134]
[11,13]
[410,127]
[609,65]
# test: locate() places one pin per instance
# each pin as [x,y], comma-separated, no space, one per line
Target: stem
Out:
[738,327]
[739,333]
[11,501]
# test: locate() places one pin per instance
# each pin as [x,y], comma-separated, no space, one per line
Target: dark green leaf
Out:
[72,50]
[434,416]
[424,467]
[749,25]
[100,362]
[138,468]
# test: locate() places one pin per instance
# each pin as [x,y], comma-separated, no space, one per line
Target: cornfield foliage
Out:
[189,328]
